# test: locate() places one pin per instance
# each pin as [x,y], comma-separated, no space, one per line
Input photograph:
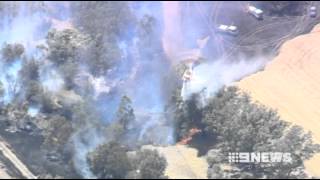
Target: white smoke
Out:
[23,23]
[10,80]
[85,141]
[208,78]
[185,39]
[33,111]
[172,38]
[25,28]
[50,79]
[100,86]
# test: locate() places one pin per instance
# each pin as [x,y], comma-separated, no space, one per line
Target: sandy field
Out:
[290,83]
[183,162]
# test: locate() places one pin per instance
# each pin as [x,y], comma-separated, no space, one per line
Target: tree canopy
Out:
[242,126]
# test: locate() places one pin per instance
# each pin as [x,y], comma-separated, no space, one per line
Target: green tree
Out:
[242,126]
[102,18]
[57,133]
[69,71]
[187,114]
[239,124]
[109,161]
[33,91]
[125,114]
[148,164]
[150,43]
[62,45]
[106,23]
[100,55]
[2,90]
[30,79]
[84,116]
[30,70]
[124,117]
[11,52]
[63,50]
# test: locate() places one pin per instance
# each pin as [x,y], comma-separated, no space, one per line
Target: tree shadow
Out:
[203,143]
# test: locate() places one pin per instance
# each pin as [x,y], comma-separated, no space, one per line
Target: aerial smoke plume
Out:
[172,31]
[208,78]
[147,55]
[185,41]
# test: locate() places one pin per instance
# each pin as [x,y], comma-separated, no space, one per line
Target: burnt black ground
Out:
[28,149]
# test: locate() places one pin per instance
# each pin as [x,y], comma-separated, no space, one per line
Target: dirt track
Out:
[15,161]
[291,85]
[255,36]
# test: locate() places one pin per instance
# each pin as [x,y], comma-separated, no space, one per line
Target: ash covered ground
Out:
[87,87]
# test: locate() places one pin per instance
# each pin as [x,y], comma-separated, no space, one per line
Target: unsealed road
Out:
[4,147]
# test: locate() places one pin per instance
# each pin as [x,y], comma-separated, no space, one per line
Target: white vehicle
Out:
[233,30]
[257,13]
[313,11]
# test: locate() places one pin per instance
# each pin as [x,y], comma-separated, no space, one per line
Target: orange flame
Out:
[189,136]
